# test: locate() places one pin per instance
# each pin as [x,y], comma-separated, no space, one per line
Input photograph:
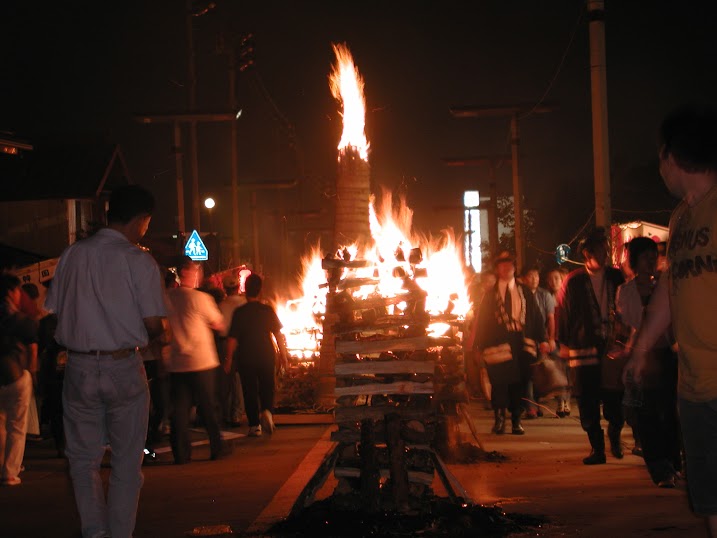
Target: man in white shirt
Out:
[193,360]
[107,294]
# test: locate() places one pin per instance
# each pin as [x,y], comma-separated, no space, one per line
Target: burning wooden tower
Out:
[353,191]
[391,377]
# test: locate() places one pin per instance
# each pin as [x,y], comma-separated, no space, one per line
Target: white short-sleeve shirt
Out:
[191,316]
[104,287]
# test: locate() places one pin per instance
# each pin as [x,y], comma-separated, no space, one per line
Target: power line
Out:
[582,228]
[642,211]
[560,65]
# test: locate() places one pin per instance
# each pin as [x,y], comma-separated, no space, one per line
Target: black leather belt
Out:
[115,354]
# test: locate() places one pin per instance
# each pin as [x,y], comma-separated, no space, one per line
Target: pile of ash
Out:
[440,518]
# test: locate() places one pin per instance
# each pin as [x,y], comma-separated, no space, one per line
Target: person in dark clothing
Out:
[53,358]
[254,331]
[653,405]
[510,333]
[585,316]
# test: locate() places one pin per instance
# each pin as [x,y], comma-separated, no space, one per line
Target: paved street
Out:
[175,499]
[543,475]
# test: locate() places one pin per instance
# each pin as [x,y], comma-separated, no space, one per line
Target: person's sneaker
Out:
[255,431]
[12,481]
[267,421]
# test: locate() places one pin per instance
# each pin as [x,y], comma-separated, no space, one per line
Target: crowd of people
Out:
[120,358]
[635,345]
[632,344]
[583,324]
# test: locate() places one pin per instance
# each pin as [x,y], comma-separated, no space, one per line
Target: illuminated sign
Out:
[562,253]
[195,248]
[471,230]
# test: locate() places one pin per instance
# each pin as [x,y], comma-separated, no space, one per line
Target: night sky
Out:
[79,70]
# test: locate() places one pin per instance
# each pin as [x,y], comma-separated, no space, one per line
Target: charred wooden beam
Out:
[377,412]
[399,387]
[385,367]
[369,472]
[332,263]
[413,476]
[397,462]
[392,344]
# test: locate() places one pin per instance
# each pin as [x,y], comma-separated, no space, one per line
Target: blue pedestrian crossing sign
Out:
[562,253]
[195,248]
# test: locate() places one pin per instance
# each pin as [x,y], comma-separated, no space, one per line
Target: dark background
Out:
[83,70]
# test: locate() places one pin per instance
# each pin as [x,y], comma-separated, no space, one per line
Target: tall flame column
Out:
[353,191]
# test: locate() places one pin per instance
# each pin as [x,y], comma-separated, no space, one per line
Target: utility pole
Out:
[515,113]
[493,163]
[598,88]
[517,193]
[192,83]
[177,120]
[179,166]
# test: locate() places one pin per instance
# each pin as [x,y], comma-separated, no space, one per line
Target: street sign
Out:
[562,253]
[195,248]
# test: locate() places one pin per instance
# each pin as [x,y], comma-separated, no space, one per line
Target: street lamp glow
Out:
[209,203]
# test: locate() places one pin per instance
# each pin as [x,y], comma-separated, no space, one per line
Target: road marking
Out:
[280,506]
[226,436]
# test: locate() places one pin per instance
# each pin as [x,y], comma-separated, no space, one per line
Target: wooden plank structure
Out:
[398,393]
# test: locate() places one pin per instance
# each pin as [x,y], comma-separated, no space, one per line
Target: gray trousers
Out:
[106,399]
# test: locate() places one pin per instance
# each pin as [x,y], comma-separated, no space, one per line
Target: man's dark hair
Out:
[252,285]
[128,202]
[689,134]
[170,278]
[8,282]
[593,239]
[637,246]
[185,262]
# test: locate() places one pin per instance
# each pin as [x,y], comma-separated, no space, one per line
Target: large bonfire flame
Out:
[347,87]
[397,254]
